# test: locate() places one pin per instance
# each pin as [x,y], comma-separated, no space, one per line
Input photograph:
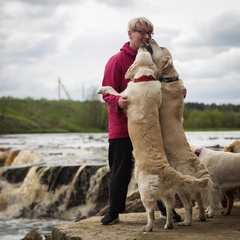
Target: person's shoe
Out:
[176,217]
[110,218]
[164,217]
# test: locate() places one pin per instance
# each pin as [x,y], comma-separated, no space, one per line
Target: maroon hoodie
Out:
[114,75]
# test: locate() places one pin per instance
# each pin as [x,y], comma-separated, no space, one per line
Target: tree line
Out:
[211,116]
[45,116]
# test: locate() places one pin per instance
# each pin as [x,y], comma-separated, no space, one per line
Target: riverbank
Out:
[129,228]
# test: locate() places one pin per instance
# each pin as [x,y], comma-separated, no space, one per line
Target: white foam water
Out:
[16,229]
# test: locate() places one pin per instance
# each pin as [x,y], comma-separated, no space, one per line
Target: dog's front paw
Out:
[168,226]
[147,228]
[225,213]
[99,91]
[184,223]
[209,215]
[201,218]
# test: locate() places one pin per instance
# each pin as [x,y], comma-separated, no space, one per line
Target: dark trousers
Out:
[121,166]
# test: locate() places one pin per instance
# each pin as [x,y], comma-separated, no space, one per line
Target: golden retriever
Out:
[176,146]
[156,179]
[229,196]
[224,168]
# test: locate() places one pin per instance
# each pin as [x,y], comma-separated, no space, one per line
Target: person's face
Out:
[139,36]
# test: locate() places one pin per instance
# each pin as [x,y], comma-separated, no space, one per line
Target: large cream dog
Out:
[224,168]
[229,196]
[156,179]
[176,146]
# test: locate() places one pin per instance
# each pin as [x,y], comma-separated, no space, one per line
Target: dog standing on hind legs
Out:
[156,179]
[177,149]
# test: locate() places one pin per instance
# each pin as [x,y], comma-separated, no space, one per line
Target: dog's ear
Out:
[131,71]
[166,62]
[228,149]
[155,70]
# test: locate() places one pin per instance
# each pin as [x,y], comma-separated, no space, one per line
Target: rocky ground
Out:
[129,228]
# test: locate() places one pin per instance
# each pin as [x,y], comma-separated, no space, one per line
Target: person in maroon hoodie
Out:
[120,157]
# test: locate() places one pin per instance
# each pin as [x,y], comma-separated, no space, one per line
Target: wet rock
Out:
[55,177]
[15,175]
[33,235]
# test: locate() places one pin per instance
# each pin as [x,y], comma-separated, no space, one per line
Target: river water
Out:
[79,149]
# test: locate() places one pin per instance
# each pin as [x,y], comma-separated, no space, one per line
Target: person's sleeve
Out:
[112,77]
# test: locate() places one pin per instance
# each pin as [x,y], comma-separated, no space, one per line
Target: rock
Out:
[130,225]
[48,237]
[33,235]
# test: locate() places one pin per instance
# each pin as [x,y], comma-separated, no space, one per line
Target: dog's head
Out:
[163,59]
[233,147]
[143,65]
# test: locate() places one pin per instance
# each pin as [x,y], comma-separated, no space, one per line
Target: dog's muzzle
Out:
[148,47]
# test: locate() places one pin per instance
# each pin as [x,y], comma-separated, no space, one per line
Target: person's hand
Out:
[123,102]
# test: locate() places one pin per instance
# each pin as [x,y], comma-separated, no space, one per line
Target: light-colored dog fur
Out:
[156,179]
[224,168]
[176,146]
[234,147]
[229,196]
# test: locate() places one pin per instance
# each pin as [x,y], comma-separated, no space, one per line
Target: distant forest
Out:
[55,116]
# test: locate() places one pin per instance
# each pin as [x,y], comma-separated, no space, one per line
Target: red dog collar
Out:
[198,151]
[144,79]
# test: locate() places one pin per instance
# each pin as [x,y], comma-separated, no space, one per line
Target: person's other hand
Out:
[123,102]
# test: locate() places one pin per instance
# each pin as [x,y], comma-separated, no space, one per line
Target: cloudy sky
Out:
[42,41]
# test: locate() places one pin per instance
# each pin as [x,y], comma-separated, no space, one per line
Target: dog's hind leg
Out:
[150,208]
[150,221]
[169,210]
[187,203]
[147,198]
[230,199]
[201,211]
[215,196]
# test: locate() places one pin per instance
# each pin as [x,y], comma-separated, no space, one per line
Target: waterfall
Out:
[63,192]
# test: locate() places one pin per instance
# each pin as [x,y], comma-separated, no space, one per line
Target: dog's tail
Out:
[186,182]
[194,184]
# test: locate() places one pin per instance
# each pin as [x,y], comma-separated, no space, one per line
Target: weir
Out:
[63,192]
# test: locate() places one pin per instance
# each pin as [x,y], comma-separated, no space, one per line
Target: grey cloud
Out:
[220,33]
[46,2]
[37,51]
[29,34]
[223,30]
[43,40]
[208,91]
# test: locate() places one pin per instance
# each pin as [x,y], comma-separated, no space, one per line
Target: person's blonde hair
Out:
[132,24]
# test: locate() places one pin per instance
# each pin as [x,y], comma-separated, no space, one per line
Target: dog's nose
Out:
[149,48]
